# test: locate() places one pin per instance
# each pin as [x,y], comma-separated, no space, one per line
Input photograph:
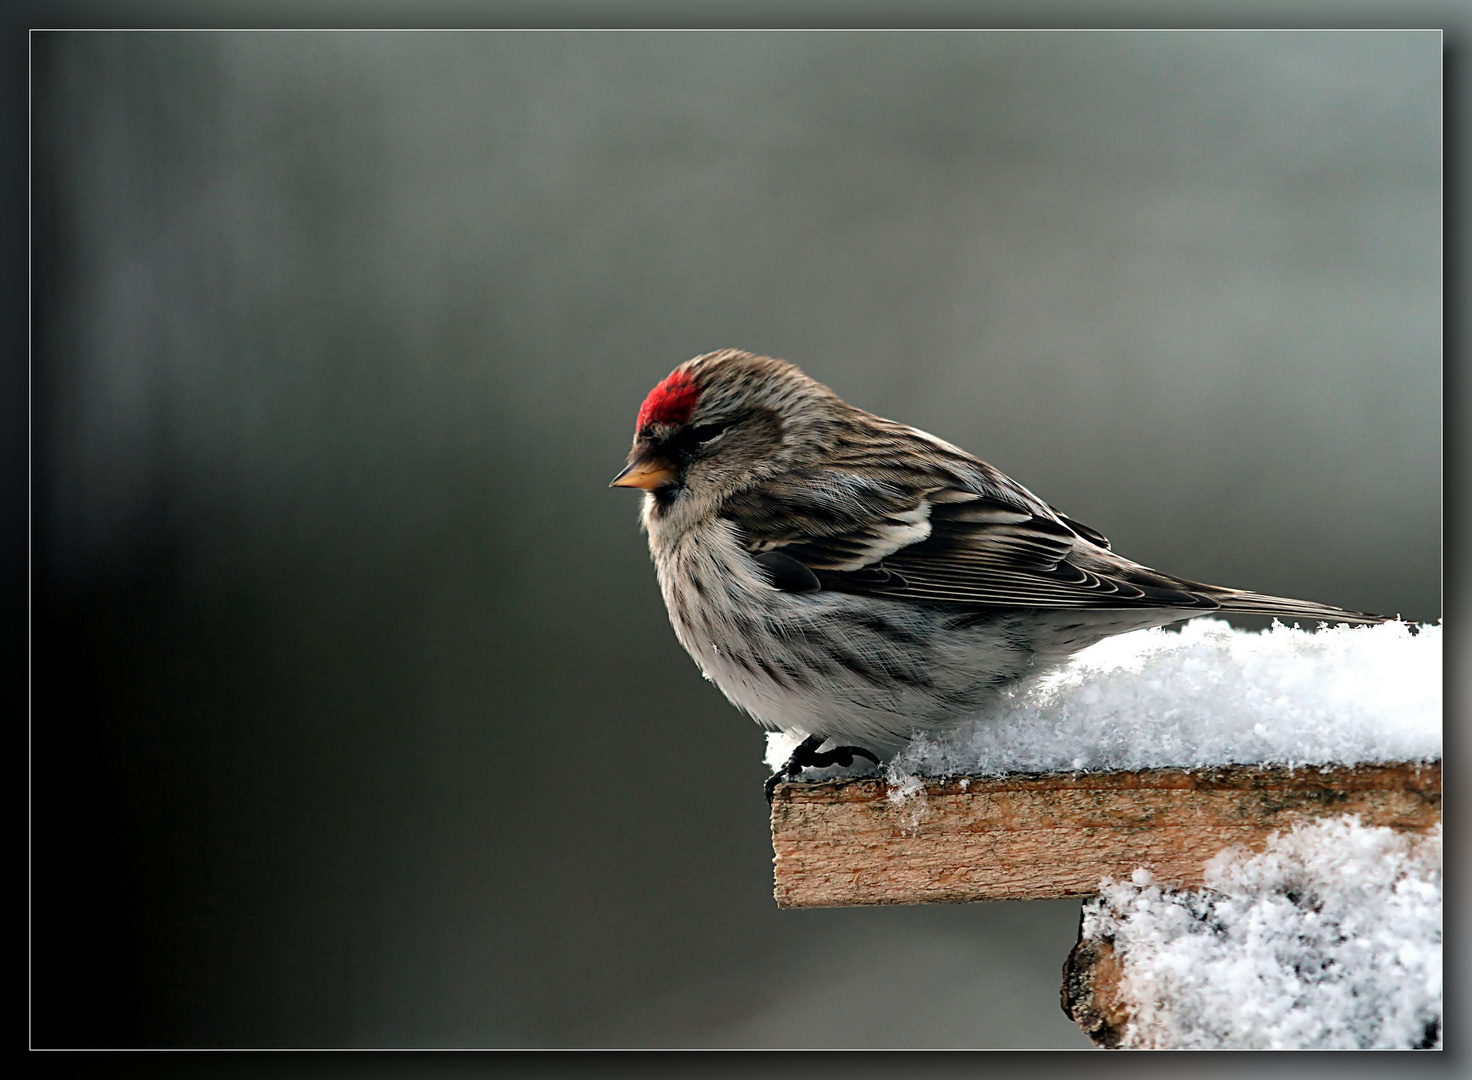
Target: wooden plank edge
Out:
[1365,776]
[875,863]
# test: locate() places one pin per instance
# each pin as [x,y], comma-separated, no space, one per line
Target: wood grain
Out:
[1044,836]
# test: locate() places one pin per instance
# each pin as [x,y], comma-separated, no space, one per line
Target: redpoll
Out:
[850,578]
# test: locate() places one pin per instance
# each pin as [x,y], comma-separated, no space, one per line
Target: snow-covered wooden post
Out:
[1195,868]
[1046,836]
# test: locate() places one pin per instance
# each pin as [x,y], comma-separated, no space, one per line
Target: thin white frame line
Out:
[741,30]
[30,540]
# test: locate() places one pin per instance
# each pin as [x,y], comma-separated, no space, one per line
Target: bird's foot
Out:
[807,756]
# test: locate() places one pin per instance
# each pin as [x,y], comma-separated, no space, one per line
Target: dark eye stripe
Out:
[707,432]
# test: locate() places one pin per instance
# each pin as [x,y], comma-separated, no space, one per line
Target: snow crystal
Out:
[1205,695]
[1330,938]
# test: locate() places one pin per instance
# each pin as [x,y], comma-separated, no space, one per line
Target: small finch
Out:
[848,578]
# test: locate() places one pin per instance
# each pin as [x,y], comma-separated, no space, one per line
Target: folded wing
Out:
[938,535]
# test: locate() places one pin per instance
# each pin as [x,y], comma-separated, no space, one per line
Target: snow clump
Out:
[1204,695]
[1329,938]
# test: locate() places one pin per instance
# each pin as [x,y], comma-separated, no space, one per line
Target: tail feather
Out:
[1251,603]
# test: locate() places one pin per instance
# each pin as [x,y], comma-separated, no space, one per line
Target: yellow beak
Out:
[646,473]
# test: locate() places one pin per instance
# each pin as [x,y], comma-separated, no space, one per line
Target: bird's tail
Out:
[1251,603]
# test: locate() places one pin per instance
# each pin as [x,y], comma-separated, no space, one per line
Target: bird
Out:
[854,580]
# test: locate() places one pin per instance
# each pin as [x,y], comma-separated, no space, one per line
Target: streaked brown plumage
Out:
[842,575]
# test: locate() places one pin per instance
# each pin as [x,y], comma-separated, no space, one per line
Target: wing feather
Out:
[935,537]
[929,523]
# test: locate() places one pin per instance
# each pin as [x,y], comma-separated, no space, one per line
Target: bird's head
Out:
[723,420]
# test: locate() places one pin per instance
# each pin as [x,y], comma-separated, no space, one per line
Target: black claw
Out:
[839,755]
[806,756]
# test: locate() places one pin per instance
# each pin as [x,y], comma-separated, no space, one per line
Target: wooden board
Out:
[1045,836]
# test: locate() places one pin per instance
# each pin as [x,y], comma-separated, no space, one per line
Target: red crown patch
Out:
[671,402]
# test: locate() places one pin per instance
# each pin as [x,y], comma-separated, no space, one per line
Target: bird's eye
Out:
[707,432]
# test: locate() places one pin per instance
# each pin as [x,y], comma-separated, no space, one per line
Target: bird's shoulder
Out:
[901,514]
[890,489]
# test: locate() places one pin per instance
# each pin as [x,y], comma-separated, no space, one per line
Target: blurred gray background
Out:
[358,720]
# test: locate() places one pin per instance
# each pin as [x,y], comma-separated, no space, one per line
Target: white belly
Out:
[855,668]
